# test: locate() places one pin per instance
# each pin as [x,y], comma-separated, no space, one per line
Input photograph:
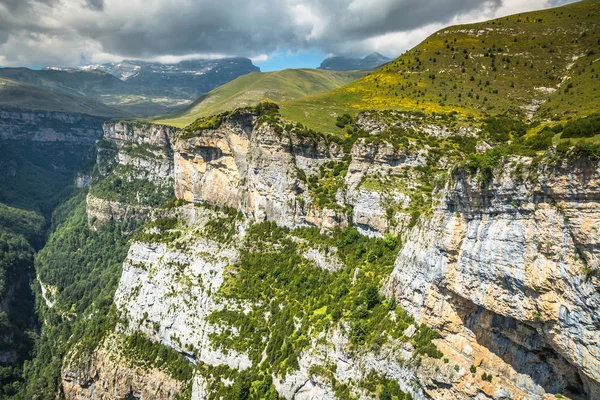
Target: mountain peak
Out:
[337,63]
[376,55]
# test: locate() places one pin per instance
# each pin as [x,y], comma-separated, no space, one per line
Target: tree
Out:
[240,389]
[372,296]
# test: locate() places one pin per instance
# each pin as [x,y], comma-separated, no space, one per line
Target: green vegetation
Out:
[246,384]
[326,184]
[84,265]
[385,388]
[38,176]
[251,89]
[505,68]
[160,230]
[224,228]
[142,352]
[294,300]
[486,377]
[128,183]
[212,122]
[582,149]
[117,187]
[25,223]
[18,230]
[581,128]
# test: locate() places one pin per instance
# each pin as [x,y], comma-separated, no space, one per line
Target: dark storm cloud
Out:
[95,4]
[65,31]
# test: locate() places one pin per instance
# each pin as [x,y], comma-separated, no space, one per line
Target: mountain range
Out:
[338,63]
[133,87]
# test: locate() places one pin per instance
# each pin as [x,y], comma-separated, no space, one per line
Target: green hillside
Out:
[250,89]
[18,95]
[78,83]
[537,65]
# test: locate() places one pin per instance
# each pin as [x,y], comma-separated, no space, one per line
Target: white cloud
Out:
[259,58]
[65,32]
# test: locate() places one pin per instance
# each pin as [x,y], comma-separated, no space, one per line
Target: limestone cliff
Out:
[508,272]
[504,269]
[49,126]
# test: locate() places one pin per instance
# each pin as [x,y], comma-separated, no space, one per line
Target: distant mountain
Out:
[371,61]
[250,89]
[74,82]
[17,95]
[134,87]
[186,79]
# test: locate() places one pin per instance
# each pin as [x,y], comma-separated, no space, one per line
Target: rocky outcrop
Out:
[261,169]
[379,162]
[333,349]
[249,167]
[166,291]
[440,126]
[101,211]
[508,272]
[106,374]
[49,126]
[138,133]
[505,270]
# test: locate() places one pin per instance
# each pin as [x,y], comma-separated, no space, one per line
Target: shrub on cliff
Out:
[582,128]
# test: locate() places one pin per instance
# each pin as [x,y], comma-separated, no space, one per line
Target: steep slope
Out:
[370,62]
[250,89]
[20,233]
[41,153]
[304,265]
[533,65]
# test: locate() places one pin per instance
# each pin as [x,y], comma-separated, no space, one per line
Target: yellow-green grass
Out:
[519,65]
[250,89]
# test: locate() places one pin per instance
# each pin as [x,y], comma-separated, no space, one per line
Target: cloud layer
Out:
[72,32]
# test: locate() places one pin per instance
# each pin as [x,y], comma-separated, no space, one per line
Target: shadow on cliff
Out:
[523,348]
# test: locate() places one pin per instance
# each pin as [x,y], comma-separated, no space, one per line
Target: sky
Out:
[275,34]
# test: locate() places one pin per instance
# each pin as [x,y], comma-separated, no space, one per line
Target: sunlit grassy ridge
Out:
[250,89]
[541,64]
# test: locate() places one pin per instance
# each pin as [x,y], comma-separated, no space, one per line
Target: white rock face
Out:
[253,169]
[167,293]
[332,349]
[134,133]
[511,259]
[506,272]
[370,205]
[325,258]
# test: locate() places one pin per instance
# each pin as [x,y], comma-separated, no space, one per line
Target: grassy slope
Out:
[77,83]
[18,95]
[508,65]
[250,89]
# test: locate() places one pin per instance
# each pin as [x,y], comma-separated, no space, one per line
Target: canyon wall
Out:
[504,269]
